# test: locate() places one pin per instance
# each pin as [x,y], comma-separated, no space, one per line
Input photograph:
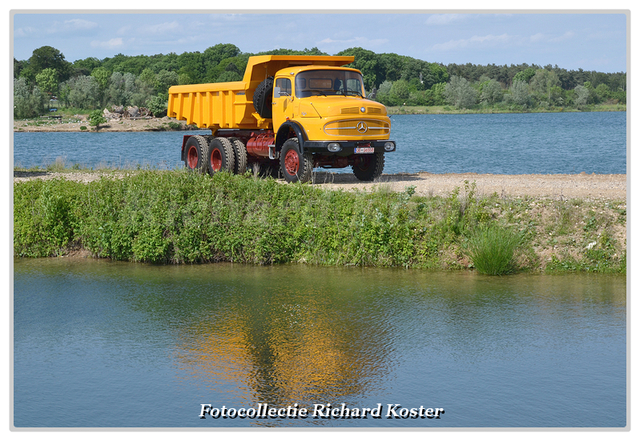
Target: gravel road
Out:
[556,186]
[586,186]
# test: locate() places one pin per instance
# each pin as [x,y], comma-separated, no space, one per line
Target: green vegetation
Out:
[96,118]
[392,79]
[492,249]
[181,217]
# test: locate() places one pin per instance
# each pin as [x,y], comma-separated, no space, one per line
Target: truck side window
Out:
[284,87]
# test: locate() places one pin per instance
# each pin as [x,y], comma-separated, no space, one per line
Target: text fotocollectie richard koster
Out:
[321,411]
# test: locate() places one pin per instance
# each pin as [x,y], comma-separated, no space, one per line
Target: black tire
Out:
[295,166]
[262,98]
[220,156]
[368,167]
[195,153]
[240,153]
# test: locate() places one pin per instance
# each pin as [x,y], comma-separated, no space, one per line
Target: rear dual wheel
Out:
[240,153]
[220,156]
[196,151]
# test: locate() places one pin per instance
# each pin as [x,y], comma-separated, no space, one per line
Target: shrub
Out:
[492,249]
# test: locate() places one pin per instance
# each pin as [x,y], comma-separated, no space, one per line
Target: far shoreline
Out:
[79,123]
[447,110]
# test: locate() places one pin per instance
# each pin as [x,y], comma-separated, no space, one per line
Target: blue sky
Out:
[591,41]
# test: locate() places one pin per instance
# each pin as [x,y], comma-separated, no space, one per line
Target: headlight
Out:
[389,146]
[334,147]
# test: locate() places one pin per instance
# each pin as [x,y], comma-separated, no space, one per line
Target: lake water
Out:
[113,344]
[541,143]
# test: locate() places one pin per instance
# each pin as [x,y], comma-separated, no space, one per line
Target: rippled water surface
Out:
[592,142]
[107,344]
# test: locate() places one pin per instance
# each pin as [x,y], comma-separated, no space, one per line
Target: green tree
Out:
[47,81]
[228,76]
[102,76]
[436,74]
[519,94]
[28,101]
[122,88]
[603,91]
[164,80]
[49,57]
[85,66]
[543,81]
[96,117]
[459,93]
[437,94]
[524,75]
[84,92]
[581,96]
[490,92]
[215,54]
[383,94]
[558,96]
[193,66]
[157,105]
[399,93]
[148,77]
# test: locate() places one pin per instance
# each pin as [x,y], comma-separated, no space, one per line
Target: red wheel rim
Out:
[216,160]
[192,157]
[292,162]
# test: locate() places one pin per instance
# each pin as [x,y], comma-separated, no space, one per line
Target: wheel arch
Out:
[285,131]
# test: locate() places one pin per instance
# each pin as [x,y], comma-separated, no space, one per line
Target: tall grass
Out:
[492,249]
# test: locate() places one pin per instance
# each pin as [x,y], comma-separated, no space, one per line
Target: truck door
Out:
[282,102]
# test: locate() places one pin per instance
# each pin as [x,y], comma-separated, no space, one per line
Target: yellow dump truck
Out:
[289,113]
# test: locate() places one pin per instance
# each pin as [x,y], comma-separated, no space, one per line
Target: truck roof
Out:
[262,66]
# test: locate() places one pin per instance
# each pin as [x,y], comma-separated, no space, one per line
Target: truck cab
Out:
[332,118]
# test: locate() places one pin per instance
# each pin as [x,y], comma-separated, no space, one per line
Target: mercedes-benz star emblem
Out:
[362,127]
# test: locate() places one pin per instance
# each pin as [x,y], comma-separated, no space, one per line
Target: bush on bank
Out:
[182,217]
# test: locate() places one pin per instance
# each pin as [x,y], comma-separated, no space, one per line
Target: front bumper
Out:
[348,148]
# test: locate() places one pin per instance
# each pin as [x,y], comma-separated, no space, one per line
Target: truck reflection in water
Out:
[285,349]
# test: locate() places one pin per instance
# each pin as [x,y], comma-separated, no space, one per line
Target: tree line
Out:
[391,79]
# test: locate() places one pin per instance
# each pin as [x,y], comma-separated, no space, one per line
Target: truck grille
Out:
[358,128]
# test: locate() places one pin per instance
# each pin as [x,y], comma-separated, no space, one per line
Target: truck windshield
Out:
[328,82]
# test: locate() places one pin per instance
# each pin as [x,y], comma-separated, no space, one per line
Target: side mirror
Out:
[277,92]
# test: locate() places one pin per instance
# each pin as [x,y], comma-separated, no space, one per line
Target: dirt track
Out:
[555,186]
[612,187]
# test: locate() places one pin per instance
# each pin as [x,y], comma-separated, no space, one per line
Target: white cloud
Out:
[79,24]
[473,42]
[358,41]
[66,27]
[546,38]
[110,44]
[566,36]
[444,19]
[160,28]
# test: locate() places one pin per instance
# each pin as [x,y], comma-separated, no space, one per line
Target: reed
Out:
[493,249]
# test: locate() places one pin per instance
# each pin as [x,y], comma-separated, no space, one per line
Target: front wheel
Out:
[295,166]
[368,167]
